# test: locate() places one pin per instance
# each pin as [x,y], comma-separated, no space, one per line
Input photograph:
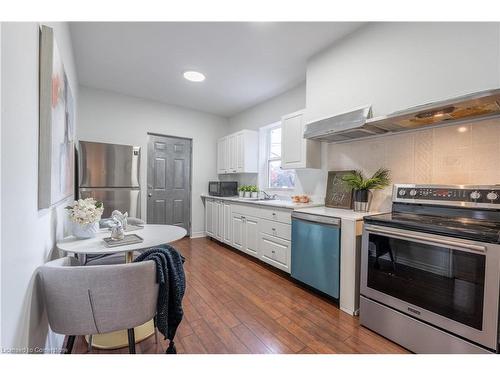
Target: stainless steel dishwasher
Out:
[316,252]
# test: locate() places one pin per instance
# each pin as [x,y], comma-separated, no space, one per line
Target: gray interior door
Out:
[169,181]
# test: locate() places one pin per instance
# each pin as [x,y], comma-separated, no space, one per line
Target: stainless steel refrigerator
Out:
[110,173]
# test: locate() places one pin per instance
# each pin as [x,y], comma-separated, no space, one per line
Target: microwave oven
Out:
[223,188]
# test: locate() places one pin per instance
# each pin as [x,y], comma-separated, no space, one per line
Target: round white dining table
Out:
[153,235]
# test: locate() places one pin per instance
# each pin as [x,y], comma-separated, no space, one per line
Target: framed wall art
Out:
[56,127]
[338,193]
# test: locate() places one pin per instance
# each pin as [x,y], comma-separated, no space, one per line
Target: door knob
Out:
[150,195]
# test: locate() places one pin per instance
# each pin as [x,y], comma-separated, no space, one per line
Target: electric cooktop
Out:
[468,212]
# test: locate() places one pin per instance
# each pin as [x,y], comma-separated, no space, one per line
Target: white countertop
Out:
[279,203]
[336,212]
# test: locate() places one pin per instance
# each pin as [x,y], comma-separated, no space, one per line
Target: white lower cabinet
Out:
[226,212]
[209,222]
[251,236]
[245,234]
[238,228]
[218,219]
[265,234]
[275,251]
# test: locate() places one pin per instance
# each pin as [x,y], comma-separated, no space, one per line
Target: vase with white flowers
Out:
[85,215]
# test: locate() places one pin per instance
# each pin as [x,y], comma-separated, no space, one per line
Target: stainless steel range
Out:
[430,269]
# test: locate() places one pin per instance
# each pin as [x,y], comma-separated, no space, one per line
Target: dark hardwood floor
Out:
[234,304]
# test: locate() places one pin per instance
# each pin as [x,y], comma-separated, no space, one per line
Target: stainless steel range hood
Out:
[359,123]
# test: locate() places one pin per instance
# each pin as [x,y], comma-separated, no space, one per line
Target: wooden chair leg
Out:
[89,348]
[156,330]
[131,341]
[69,344]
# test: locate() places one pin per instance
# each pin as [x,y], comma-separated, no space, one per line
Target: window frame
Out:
[269,159]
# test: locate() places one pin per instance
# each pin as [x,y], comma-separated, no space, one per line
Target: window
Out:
[277,178]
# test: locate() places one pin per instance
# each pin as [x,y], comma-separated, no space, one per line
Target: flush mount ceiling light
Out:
[193,76]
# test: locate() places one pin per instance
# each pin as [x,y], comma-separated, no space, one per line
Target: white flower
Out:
[85,211]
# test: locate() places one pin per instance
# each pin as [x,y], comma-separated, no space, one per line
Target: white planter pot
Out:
[85,230]
[241,194]
[255,194]
[247,194]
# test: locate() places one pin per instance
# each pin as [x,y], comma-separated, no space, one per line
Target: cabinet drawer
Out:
[245,210]
[282,216]
[275,251]
[276,229]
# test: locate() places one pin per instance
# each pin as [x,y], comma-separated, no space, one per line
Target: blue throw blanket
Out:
[172,284]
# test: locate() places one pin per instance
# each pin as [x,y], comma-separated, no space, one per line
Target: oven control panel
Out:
[453,194]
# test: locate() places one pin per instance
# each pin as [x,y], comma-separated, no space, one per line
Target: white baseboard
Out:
[198,235]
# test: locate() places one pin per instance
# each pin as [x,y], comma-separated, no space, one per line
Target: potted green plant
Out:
[241,191]
[362,186]
[254,191]
[247,191]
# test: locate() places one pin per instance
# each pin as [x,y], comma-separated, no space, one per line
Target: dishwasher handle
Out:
[335,221]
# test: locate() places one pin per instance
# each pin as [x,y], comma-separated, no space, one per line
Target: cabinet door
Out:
[251,244]
[292,142]
[275,251]
[240,152]
[222,155]
[227,223]
[220,221]
[215,218]
[232,153]
[209,226]
[238,227]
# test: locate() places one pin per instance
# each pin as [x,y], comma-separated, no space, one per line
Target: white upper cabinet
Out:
[231,153]
[297,152]
[222,155]
[238,153]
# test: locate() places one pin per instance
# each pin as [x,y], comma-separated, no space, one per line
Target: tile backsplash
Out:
[459,154]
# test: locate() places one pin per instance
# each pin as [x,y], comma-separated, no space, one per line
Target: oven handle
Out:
[454,244]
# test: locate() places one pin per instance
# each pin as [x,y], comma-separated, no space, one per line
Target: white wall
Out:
[114,118]
[269,111]
[28,235]
[397,65]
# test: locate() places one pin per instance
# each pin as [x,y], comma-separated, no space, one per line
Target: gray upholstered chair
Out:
[87,300]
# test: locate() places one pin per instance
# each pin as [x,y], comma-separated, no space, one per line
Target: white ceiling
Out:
[245,62]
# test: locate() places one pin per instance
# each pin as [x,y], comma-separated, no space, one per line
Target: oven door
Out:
[450,283]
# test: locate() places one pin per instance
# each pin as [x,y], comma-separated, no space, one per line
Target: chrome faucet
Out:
[269,197]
